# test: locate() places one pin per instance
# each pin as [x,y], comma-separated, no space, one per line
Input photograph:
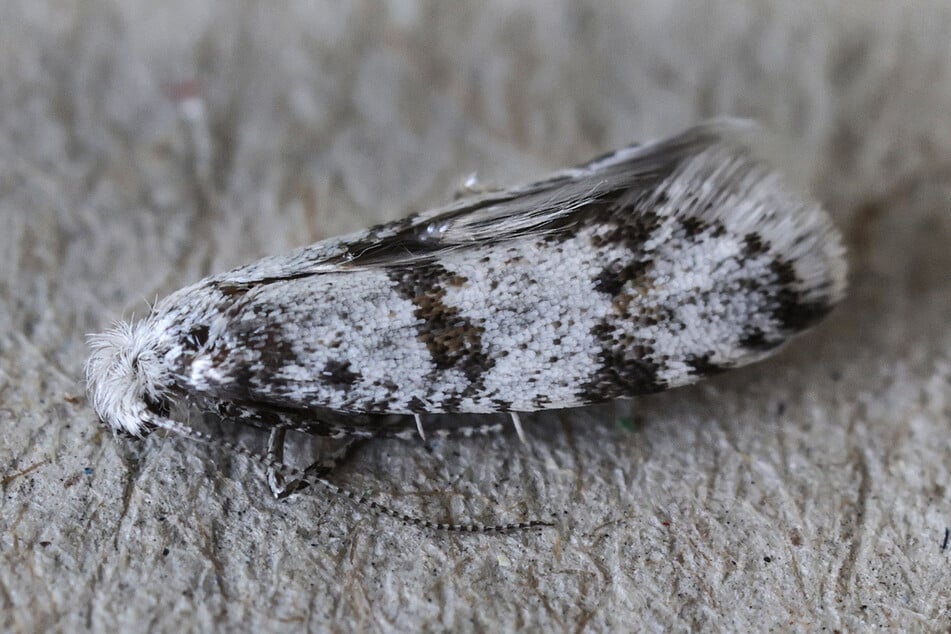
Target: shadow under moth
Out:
[642,270]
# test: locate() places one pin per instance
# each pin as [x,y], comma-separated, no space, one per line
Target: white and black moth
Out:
[642,270]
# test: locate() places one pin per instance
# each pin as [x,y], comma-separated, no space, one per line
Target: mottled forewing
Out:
[643,270]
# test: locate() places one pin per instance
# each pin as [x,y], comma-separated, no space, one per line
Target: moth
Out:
[642,270]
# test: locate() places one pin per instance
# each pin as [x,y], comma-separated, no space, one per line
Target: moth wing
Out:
[601,186]
[440,311]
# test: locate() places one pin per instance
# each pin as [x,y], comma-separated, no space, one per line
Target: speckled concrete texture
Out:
[144,145]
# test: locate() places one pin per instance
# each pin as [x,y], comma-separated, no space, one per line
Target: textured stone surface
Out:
[144,145]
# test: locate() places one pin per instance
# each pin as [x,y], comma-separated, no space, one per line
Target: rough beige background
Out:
[144,145]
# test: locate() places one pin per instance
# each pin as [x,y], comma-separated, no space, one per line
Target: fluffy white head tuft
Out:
[125,375]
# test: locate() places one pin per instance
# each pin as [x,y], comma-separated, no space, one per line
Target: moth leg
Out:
[281,488]
[517,422]
[419,426]
[275,453]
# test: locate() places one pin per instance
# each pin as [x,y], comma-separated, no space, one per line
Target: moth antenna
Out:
[376,507]
[466,431]
[469,431]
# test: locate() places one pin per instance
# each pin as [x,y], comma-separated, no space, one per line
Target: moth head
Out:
[126,377]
